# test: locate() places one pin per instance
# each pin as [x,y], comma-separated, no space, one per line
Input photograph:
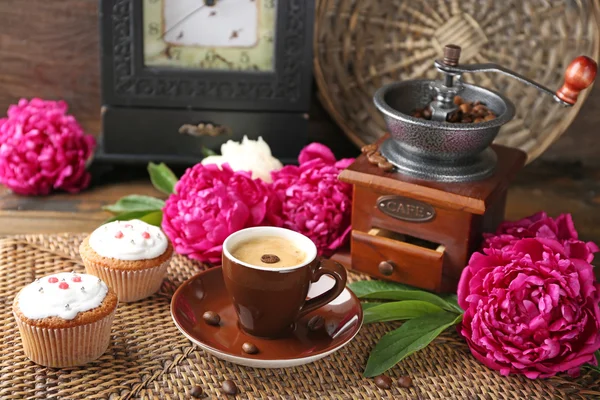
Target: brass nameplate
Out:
[405,209]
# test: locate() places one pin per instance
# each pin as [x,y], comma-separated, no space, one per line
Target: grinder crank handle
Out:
[579,75]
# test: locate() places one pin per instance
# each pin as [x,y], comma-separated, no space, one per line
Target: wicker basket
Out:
[362,45]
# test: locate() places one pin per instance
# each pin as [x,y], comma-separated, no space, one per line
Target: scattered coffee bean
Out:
[468,112]
[229,387]
[249,348]
[383,382]
[369,148]
[427,113]
[211,318]
[315,323]
[269,258]
[386,166]
[197,392]
[376,158]
[480,109]
[454,117]
[405,381]
[465,108]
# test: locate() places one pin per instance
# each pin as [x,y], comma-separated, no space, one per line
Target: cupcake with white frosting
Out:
[130,256]
[65,319]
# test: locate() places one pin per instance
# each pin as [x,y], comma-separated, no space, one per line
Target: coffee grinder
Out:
[425,193]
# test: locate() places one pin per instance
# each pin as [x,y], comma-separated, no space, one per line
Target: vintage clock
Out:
[179,76]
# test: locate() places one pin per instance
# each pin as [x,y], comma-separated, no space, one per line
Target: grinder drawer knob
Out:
[386,267]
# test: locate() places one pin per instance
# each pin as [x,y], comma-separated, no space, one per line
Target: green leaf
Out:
[594,367]
[162,177]
[394,291]
[154,218]
[412,336]
[399,310]
[452,299]
[207,152]
[135,202]
[366,306]
[129,216]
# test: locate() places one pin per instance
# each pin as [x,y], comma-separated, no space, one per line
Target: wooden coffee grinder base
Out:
[422,233]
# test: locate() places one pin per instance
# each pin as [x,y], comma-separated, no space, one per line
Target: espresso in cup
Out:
[270,297]
[269,251]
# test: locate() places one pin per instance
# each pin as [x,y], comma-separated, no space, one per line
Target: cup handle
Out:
[337,272]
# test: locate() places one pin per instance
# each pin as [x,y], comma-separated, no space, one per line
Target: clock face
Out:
[236,35]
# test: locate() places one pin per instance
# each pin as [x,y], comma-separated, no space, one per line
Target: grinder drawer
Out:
[402,261]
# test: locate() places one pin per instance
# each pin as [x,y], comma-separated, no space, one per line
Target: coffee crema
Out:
[252,251]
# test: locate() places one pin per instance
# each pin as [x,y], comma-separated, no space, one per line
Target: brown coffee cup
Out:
[269,301]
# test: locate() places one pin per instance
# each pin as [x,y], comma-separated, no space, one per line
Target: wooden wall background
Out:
[49,49]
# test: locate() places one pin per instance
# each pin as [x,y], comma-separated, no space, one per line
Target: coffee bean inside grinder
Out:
[468,112]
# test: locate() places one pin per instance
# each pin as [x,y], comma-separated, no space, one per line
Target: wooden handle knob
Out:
[579,75]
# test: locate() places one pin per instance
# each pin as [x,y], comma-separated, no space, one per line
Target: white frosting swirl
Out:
[61,295]
[128,240]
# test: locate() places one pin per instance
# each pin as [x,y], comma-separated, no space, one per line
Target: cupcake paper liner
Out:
[66,347]
[130,285]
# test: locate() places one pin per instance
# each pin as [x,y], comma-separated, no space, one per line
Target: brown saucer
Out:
[206,292]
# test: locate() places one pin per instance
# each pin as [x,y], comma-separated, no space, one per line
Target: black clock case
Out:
[145,107]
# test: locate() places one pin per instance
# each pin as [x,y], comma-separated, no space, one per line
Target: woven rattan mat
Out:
[148,358]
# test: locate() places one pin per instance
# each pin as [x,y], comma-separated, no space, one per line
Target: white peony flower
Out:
[249,155]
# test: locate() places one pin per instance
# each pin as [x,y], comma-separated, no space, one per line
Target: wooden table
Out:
[64,212]
[555,188]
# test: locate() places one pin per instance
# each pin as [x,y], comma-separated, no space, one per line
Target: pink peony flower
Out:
[540,225]
[531,309]
[314,202]
[210,203]
[43,148]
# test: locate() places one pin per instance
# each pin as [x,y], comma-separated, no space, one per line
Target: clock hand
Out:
[219,57]
[209,3]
